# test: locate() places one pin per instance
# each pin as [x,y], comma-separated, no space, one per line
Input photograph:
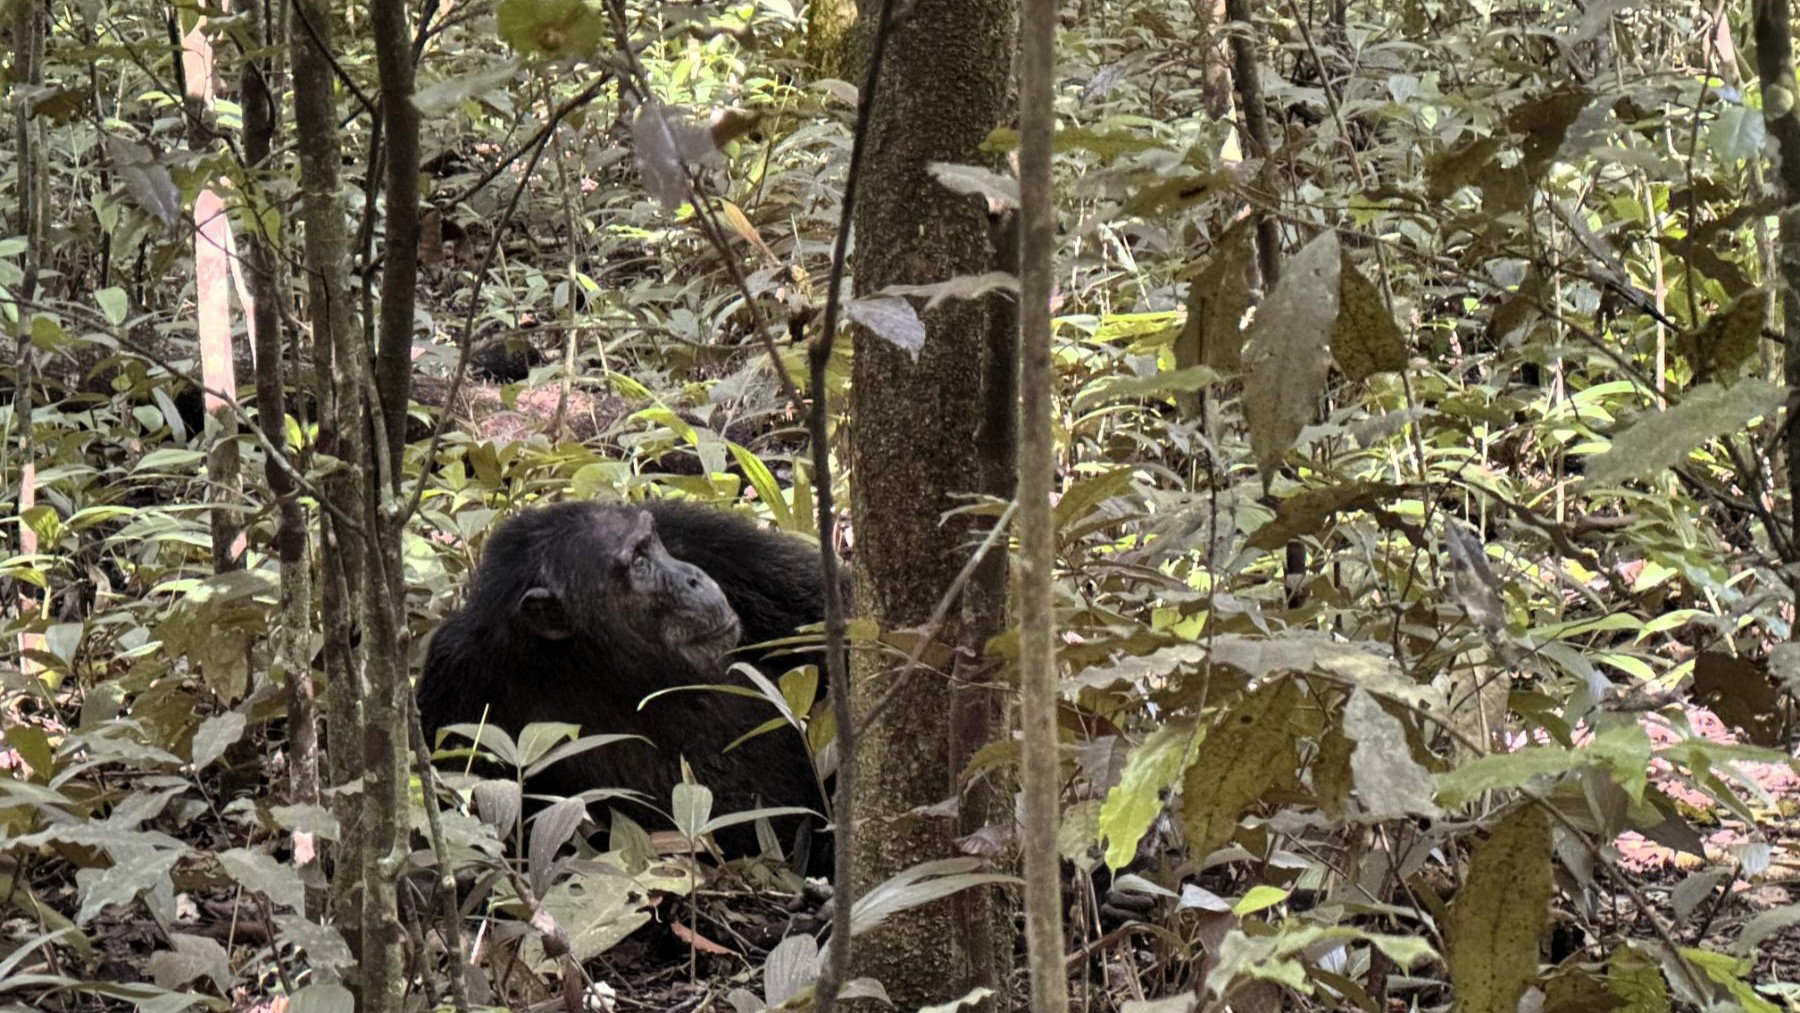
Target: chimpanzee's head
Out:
[592,575]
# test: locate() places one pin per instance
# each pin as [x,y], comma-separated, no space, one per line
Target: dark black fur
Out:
[492,654]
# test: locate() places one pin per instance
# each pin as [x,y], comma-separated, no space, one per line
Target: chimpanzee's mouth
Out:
[725,632]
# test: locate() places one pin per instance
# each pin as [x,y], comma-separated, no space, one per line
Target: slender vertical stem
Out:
[1037,466]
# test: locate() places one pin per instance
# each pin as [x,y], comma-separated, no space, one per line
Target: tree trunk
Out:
[1773,29]
[294,627]
[914,450]
[831,37]
[336,354]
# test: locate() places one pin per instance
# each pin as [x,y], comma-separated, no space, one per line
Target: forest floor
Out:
[690,954]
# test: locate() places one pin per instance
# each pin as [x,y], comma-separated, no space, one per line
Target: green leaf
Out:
[564,750]
[260,873]
[1307,511]
[170,459]
[191,957]
[1500,912]
[1365,340]
[113,304]
[1388,780]
[1133,804]
[1506,770]
[763,481]
[1664,439]
[135,869]
[1634,977]
[322,997]
[215,735]
[537,739]
[1259,898]
[555,29]
[920,884]
[1160,384]
[1241,756]
[485,738]
[691,805]
[1736,133]
[437,99]
[1729,972]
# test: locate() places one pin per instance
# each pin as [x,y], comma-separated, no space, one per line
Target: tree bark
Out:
[386,386]
[1774,33]
[294,625]
[914,451]
[341,421]
[831,37]
[1037,519]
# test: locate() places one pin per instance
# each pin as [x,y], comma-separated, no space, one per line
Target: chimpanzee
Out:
[579,610]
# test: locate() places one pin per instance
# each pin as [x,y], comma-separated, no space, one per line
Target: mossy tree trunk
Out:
[915,452]
[831,37]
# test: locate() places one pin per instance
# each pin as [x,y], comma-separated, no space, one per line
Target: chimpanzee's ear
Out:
[543,614]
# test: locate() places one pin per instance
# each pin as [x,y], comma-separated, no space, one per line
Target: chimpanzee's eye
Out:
[640,564]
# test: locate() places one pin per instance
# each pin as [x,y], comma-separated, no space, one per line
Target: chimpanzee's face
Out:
[619,585]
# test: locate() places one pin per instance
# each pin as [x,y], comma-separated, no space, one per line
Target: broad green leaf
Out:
[113,303]
[596,912]
[553,28]
[322,997]
[1664,439]
[215,735]
[537,739]
[170,459]
[890,318]
[1505,770]
[792,966]
[1730,972]
[691,805]
[1500,913]
[439,98]
[1636,979]
[1259,898]
[1133,804]
[977,181]
[1153,385]
[550,830]
[1243,753]
[191,957]
[135,869]
[1388,780]
[1309,510]
[1365,340]
[564,750]
[260,873]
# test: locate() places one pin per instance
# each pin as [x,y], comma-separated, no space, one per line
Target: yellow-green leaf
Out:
[1499,914]
[1252,745]
[1365,340]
